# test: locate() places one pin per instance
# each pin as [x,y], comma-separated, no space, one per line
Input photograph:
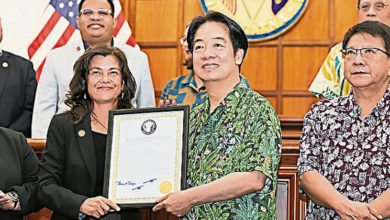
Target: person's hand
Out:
[355,211]
[374,212]
[175,203]
[98,207]
[167,103]
[5,202]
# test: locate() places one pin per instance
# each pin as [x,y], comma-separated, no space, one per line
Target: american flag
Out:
[58,27]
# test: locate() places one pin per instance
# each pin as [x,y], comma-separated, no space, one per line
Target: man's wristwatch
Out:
[14,197]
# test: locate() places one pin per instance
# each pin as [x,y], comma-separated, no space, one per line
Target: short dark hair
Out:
[373,28]
[358,4]
[109,2]
[236,34]
[78,98]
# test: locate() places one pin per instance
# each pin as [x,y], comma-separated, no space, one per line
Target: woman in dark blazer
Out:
[18,176]
[72,167]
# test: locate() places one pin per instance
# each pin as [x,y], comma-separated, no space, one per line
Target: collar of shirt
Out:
[86,45]
[379,107]
[225,104]
[192,83]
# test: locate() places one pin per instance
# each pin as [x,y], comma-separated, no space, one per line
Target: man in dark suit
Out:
[17,91]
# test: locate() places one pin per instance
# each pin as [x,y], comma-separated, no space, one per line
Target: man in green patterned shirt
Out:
[235,138]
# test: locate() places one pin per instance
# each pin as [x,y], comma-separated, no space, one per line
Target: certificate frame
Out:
[141,137]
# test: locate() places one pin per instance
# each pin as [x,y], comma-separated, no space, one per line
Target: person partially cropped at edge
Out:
[234,136]
[18,176]
[345,143]
[17,91]
[72,168]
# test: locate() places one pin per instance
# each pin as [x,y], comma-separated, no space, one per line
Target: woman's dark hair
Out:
[236,34]
[373,28]
[78,98]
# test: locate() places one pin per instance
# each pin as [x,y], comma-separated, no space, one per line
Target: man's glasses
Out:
[101,12]
[369,52]
[377,7]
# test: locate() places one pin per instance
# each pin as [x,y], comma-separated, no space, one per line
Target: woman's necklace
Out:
[94,117]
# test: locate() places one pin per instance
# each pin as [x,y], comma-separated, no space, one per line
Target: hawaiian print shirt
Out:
[330,81]
[353,154]
[241,135]
[184,90]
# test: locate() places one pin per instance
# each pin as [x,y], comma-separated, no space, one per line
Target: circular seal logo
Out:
[260,19]
[148,127]
[165,187]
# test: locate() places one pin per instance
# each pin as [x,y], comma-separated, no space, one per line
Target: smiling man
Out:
[187,89]
[345,142]
[96,23]
[234,145]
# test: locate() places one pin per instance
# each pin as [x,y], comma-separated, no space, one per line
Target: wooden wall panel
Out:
[345,17]
[165,69]
[260,67]
[272,100]
[297,107]
[157,20]
[299,75]
[192,8]
[314,24]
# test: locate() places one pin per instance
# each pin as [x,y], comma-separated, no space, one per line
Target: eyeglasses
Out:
[377,7]
[368,53]
[101,11]
[183,40]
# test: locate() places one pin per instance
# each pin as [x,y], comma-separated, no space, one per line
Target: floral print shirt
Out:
[353,154]
[184,91]
[330,81]
[241,135]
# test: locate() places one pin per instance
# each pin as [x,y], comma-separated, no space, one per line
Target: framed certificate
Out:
[146,155]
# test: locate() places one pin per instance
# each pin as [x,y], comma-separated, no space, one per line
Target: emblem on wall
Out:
[260,19]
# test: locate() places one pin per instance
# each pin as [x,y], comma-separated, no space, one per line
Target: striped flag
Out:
[58,27]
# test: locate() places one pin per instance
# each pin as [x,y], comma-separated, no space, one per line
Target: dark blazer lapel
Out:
[87,146]
[5,68]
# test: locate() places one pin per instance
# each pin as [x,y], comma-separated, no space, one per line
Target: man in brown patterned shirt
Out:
[344,166]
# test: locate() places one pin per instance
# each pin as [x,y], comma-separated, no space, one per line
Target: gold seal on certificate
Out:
[165,187]
[146,154]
